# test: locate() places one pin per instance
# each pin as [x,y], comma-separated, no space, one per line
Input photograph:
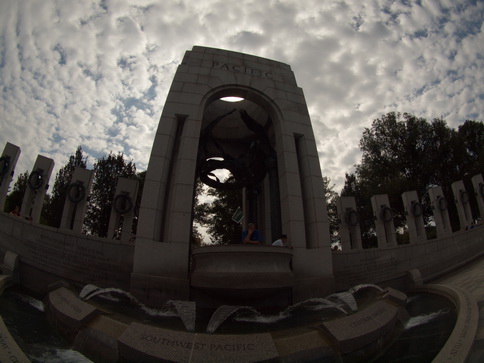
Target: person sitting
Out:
[251,235]
[281,242]
[16,211]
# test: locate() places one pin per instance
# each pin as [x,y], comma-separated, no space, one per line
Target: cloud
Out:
[96,73]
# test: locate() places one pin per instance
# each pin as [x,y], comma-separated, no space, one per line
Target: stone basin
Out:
[242,271]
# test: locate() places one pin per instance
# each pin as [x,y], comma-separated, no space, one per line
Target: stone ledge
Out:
[459,344]
[152,344]
[69,313]
[9,350]
[303,346]
[362,328]
[5,281]
[102,337]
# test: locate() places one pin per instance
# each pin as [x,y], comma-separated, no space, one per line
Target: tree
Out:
[196,237]
[471,136]
[330,197]
[16,196]
[217,215]
[107,171]
[403,153]
[54,206]
[396,155]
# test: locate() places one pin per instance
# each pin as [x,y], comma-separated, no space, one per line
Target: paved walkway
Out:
[471,279]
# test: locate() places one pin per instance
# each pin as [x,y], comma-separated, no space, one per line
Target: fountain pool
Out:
[431,320]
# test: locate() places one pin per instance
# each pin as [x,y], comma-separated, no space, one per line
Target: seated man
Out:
[251,235]
[281,242]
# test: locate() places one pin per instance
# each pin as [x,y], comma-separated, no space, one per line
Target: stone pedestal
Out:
[349,232]
[383,215]
[478,184]
[76,201]
[8,160]
[414,215]
[439,209]
[37,186]
[122,210]
[462,203]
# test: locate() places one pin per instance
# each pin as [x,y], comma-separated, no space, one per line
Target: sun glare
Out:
[232,99]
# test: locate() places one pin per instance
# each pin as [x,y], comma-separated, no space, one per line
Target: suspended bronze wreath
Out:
[416,209]
[36,179]
[351,217]
[442,203]
[76,192]
[248,169]
[386,214]
[122,203]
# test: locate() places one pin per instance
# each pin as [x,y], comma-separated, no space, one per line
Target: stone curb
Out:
[459,344]
[9,349]
[95,334]
[5,281]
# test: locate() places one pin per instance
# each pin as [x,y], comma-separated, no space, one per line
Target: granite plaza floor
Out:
[471,279]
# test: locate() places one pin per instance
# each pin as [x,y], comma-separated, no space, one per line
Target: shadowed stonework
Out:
[267,143]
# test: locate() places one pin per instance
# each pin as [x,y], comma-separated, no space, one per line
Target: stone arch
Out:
[161,267]
[224,135]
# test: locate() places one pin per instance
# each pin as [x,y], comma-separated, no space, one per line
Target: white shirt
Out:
[278,243]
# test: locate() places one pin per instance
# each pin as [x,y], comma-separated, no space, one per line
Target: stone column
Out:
[441,214]
[461,199]
[383,215]
[37,186]
[414,215]
[122,210]
[478,185]
[349,231]
[8,160]
[76,201]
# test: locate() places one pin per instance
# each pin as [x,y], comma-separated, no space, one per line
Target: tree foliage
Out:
[54,205]
[196,237]
[330,196]
[471,137]
[16,196]
[216,215]
[403,153]
[107,170]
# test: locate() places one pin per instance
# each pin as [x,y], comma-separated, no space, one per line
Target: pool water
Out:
[25,319]
[432,319]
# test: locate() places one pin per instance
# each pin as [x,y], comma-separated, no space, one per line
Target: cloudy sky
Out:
[95,73]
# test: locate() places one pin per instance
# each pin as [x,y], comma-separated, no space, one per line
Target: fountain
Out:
[305,320]
[267,144]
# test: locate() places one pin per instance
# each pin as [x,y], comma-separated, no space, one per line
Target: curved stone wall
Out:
[48,254]
[389,266]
